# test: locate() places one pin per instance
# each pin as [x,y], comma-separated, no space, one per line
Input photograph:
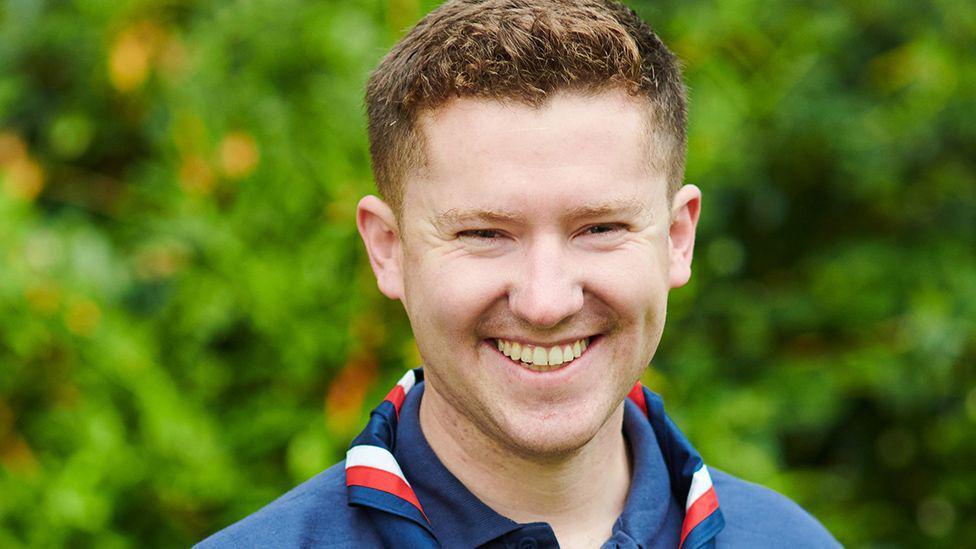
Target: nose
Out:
[547,288]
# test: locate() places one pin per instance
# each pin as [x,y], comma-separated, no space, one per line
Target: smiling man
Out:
[530,155]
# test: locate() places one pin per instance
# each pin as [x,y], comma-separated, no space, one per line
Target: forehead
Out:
[476,126]
[572,151]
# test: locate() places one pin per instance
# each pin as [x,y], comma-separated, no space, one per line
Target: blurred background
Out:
[189,327]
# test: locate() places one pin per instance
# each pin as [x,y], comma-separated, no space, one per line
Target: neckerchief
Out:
[375,482]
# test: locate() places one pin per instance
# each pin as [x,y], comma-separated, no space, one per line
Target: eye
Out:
[604,228]
[480,234]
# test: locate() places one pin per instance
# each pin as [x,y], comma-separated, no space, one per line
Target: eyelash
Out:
[610,226]
[480,234]
[474,233]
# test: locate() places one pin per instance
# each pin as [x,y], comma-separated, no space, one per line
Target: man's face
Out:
[542,227]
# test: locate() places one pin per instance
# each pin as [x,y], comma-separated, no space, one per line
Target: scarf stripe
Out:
[375,467]
[384,481]
[398,393]
[375,481]
[702,502]
[636,395]
[373,476]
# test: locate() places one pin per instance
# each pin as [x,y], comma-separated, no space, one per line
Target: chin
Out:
[552,437]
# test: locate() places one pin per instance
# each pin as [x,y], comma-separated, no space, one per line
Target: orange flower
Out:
[238,155]
[196,176]
[23,178]
[131,55]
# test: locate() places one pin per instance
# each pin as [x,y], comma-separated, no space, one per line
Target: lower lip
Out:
[563,369]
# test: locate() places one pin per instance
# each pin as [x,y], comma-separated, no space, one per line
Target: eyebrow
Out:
[455,217]
[627,208]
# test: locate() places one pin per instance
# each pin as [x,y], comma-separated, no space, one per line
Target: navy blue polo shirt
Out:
[315,514]
[459,519]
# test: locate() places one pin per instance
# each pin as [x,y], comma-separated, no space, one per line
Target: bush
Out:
[188,326]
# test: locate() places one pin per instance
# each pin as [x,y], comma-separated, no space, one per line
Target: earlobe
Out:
[378,228]
[684,219]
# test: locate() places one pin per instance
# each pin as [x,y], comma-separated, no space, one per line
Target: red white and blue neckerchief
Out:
[375,482]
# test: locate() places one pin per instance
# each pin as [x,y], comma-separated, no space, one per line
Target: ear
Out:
[684,219]
[378,227]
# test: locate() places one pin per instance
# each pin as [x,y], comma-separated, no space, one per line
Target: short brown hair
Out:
[522,50]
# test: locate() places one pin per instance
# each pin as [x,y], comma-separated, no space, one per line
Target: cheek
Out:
[452,294]
[634,288]
[631,282]
[640,302]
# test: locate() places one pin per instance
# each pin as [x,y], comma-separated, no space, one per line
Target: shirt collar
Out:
[651,512]
[458,518]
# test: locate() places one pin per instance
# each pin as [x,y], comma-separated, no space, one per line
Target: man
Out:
[530,154]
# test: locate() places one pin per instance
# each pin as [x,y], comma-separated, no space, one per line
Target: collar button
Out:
[528,543]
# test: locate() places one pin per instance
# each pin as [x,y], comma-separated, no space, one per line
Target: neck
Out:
[580,494]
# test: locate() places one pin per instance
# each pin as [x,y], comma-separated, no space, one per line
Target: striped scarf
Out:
[375,482]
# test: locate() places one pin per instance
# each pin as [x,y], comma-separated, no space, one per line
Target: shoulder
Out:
[313,513]
[759,517]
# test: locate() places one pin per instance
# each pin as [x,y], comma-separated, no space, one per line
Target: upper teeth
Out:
[539,358]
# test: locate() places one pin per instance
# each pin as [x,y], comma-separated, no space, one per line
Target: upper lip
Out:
[565,341]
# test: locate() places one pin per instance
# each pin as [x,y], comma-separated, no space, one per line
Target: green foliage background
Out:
[188,326]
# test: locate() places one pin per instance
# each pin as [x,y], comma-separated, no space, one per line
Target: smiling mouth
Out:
[540,358]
